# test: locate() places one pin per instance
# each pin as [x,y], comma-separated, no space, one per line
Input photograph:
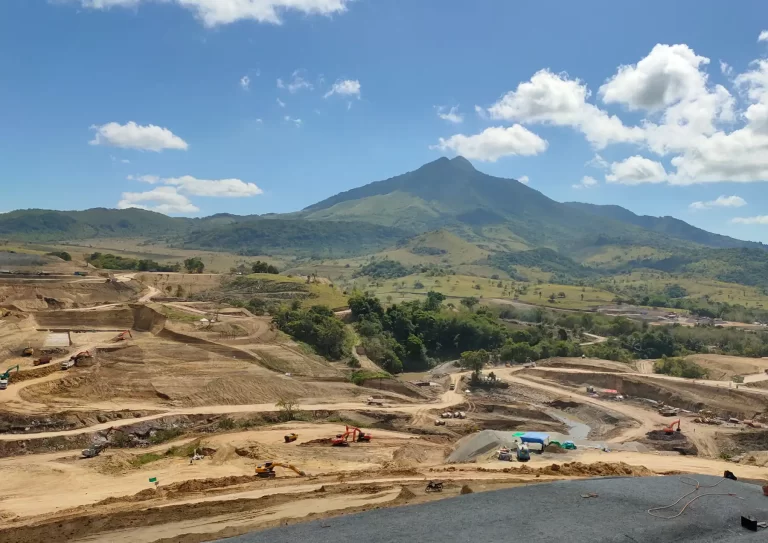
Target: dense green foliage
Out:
[264,267]
[412,333]
[384,269]
[679,367]
[108,261]
[564,268]
[194,265]
[316,326]
[61,254]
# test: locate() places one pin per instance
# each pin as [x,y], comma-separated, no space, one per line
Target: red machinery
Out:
[671,428]
[357,435]
[122,336]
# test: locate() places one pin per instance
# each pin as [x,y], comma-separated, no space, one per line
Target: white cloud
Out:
[160,199]
[346,87]
[245,82]
[524,179]
[296,83]
[125,161]
[151,179]
[482,113]
[763,36]
[289,119]
[760,219]
[493,143]
[636,170]
[555,99]
[725,68]
[280,103]
[217,188]
[598,162]
[669,74]
[221,12]
[134,136]
[452,115]
[586,182]
[721,201]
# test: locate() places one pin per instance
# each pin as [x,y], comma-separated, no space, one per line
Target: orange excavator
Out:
[122,336]
[357,435]
[669,430]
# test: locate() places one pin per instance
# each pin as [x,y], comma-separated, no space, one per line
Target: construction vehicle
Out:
[94,450]
[523,454]
[669,430]
[452,386]
[375,401]
[439,422]
[66,364]
[7,375]
[290,438]
[267,469]
[45,359]
[28,351]
[122,336]
[357,435]
[667,411]
[434,486]
[76,359]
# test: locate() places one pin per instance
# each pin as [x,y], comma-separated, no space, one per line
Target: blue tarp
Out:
[535,437]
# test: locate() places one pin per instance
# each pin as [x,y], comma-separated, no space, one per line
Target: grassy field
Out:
[462,286]
[718,291]
[613,255]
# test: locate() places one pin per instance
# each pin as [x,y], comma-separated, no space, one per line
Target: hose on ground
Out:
[697,486]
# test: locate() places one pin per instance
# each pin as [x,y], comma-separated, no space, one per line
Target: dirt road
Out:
[149,295]
[595,340]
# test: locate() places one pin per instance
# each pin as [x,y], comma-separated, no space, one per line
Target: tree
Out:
[470,302]
[434,300]
[475,361]
[288,408]
[264,267]
[194,265]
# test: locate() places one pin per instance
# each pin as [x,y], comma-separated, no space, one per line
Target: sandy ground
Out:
[178,369]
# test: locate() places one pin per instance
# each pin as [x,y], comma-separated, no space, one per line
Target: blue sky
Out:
[144,102]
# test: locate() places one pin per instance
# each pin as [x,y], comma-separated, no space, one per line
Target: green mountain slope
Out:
[666,225]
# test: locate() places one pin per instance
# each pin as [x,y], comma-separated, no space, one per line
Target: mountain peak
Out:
[462,162]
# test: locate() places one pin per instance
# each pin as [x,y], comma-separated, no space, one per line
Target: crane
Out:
[7,375]
[267,469]
[671,428]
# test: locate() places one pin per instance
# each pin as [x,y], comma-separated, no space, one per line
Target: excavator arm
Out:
[292,468]
[7,373]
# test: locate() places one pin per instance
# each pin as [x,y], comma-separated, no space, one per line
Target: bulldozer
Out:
[290,438]
[267,469]
[28,351]
[7,375]
[669,430]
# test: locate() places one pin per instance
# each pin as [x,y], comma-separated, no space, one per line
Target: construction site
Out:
[125,417]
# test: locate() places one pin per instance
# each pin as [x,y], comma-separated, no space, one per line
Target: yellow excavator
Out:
[267,469]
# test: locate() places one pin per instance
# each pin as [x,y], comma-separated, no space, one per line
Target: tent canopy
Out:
[535,437]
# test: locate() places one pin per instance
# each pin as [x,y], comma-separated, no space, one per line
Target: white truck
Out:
[67,364]
[3,384]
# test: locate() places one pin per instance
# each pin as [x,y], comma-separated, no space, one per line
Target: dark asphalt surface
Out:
[549,512]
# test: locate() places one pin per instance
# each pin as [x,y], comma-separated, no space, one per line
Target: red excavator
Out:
[122,336]
[669,430]
[357,435]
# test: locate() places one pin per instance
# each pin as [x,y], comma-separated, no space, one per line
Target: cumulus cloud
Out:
[721,201]
[598,162]
[452,115]
[636,170]
[586,182]
[494,143]
[760,219]
[295,84]
[160,199]
[346,87]
[134,136]
[215,188]
[524,179]
[763,36]
[245,82]
[222,12]
[555,99]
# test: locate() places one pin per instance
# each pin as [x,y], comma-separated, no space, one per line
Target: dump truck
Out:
[45,359]
[290,438]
